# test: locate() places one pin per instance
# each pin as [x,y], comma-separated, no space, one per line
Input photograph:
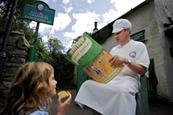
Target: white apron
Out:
[118,96]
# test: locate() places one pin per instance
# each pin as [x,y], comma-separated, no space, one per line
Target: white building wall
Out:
[144,19]
[163,10]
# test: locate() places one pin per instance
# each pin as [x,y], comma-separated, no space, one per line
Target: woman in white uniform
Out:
[117,97]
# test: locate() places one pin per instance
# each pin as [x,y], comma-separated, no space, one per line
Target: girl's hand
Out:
[63,106]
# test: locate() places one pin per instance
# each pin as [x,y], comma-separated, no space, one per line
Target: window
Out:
[139,36]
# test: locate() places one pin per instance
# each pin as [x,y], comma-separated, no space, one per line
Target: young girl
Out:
[31,90]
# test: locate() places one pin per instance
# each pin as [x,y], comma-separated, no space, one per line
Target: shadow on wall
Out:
[153,82]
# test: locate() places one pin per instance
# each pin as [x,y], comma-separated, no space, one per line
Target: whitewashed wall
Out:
[143,18]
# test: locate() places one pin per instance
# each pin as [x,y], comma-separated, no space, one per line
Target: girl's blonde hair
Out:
[29,88]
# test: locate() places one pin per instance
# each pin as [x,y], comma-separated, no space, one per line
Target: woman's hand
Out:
[63,106]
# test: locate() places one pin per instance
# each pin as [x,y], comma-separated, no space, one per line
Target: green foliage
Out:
[41,49]
[50,52]
[29,33]
[5,8]
[64,70]
[54,45]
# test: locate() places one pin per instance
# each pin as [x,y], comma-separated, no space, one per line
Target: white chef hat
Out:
[121,24]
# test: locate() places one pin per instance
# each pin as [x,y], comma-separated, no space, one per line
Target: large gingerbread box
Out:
[90,56]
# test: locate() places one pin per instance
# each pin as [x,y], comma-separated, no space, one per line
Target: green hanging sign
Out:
[39,12]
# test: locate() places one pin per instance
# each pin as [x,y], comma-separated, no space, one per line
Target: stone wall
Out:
[16,50]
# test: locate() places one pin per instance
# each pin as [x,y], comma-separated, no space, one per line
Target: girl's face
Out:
[52,85]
